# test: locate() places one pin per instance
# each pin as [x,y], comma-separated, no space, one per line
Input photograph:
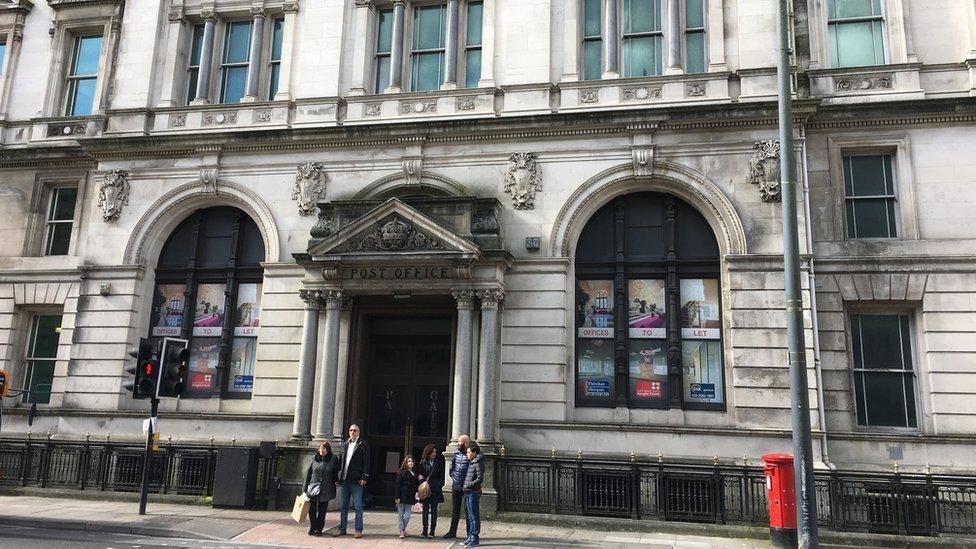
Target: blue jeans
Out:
[346,490]
[403,515]
[472,502]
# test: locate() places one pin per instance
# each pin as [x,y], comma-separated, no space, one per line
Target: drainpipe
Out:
[815,323]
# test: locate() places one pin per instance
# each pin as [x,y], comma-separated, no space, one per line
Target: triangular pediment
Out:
[394,228]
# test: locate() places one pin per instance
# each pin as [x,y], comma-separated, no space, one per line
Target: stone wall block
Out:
[862,285]
[916,286]
[881,284]
[899,286]
[845,283]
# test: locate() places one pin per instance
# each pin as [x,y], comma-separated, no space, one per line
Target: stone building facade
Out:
[553,224]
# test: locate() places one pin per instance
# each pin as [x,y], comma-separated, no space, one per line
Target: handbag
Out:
[300,511]
[417,508]
[314,489]
[423,492]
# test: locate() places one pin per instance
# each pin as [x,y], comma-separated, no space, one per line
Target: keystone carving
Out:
[309,187]
[413,169]
[764,170]
[208,180]
[643,158]
[523,180]
[113,193]
[396,235]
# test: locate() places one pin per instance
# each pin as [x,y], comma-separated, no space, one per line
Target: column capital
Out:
[465,298]
[399,2]
[176,15]
[259,11]
[491,298]
[290,6]
[335,299]
[312,298]
[364,4]
[208,14]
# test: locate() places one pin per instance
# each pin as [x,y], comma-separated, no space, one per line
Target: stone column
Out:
[461,406]
[254,59]
[301,429]
[361,55]
[330,365]
[206,58]
[488,364]
[170,94]
[451,47]
[345,328]
[287,51]
[396,49]
[672,33]
[611,40]
[715,29]
[572,42]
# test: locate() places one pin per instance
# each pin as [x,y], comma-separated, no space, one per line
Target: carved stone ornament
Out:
[413,169]
[523,180]
[485,221]
[864,83]
[290,6]
[312,298]
[589,96]
[262,116]
[395,235]
[465,104]
[491,298]
[208,180]
[419,106]
[643,158]
[696,89]
[66,129]
[764,170]
[177,120]
[372,109]
[640,93]
[325,226]
[113,193]
[464,298]
[309,187]
[208,14]
[219,118]
[364,3]
[176,14]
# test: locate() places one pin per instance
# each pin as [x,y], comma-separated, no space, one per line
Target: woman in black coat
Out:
[406,493]
[320,486]
[431,472]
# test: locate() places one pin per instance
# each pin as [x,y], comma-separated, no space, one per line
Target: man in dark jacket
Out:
[353,475]
[473,480]
[459,468]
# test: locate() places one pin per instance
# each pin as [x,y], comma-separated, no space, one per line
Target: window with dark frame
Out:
[869,196]
[855,33]
[274,63]
[208,290]
[233,66]
[472,44]
[193,66]
[60,220]
[694,28]
[40,357]
[384,48]
[883,370]
[653,260]
[642,38]
[82,75]
[592,39]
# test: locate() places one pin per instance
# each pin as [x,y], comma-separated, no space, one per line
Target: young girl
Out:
[406,493]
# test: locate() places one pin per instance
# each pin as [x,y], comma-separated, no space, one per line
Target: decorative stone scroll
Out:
[309,187]
[640,93]
[113,193]
[589,96]
[764,170]
[465,103]
[864,83]
[643,158]
[396,235]
[523,180]
[425,105]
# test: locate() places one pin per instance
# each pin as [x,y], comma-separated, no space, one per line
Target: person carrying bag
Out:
[431,490]
[319,488]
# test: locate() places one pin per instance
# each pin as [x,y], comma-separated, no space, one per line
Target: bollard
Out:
[782,499]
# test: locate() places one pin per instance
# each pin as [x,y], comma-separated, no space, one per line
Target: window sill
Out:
[641,92]
[872,83]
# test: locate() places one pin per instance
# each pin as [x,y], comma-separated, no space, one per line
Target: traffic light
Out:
[173,367]
[144,372]
[4,383]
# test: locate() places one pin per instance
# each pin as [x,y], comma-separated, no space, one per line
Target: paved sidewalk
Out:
[277,527]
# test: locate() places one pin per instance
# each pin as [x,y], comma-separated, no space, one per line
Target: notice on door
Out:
[392,462]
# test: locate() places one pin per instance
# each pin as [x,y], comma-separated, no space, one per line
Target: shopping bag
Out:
[300,511]
[417,508]
[423,492]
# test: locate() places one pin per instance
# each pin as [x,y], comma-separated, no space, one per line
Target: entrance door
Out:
[407,400]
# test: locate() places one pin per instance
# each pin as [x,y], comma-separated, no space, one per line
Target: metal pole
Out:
[806,508]
[147,458]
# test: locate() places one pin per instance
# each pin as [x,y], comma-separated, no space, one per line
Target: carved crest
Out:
[764,169]
[113,193]
[395,235]
[523,180]
[309,186]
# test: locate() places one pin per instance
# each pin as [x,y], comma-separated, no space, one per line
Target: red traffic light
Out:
[148,369]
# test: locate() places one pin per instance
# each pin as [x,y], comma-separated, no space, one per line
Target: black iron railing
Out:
[728,494]
[108,466]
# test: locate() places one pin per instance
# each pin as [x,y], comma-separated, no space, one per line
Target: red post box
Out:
[781,495]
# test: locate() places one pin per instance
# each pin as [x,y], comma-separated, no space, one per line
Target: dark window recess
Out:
[648,311]
[884,375]
[869,191]
[208,289]
[41,356]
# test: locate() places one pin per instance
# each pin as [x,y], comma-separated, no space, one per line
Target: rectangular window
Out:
[694,36]
[701,345]
[277,30]
[884,376]
[869,190]
[855,33]
[427,55]
[3,55]
[233,67]
[595,342]
[193,67]
[60,220]
[648,343]
[472,45]
[592,39]
[643,53]
[82,76]
[42,352]
[384,45]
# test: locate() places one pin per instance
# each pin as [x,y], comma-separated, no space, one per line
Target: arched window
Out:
[208,290]
[648,311]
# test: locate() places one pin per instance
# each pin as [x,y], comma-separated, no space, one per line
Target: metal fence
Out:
[116,467]
[726,494]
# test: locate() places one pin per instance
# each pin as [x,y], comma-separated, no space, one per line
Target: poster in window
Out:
[699,309]
[648,369]
[646,308]
[204,358]
[243,357]
[595,368]
[703,380]
[169,304]
[594,308]
[247,317]
[208,319]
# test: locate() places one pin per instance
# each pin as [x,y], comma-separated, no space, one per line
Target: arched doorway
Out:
[208,290]
[648,307]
